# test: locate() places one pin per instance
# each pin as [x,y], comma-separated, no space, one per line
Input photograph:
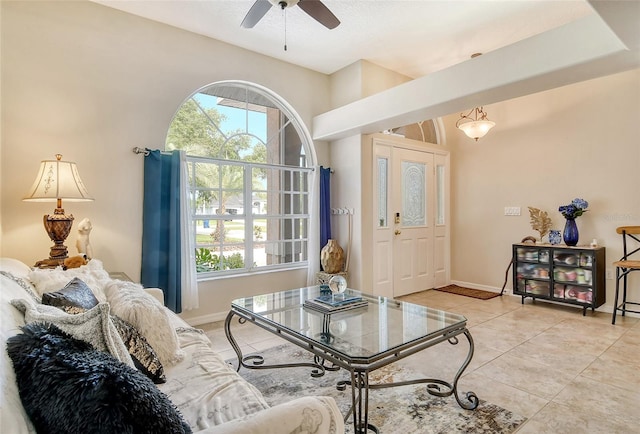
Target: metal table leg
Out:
[441,388]
[360,388]
[256,361]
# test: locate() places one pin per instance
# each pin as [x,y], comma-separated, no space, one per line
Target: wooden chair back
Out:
[632,232]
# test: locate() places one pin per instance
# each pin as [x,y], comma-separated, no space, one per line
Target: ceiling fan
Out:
[314,8]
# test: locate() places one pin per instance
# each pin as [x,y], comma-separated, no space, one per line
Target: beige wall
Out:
[347,192]
[546,149]
[361,79]
[91,83]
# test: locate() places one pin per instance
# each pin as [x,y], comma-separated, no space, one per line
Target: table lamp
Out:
[57,180]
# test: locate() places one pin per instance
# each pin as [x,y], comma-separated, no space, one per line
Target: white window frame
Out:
[249,217]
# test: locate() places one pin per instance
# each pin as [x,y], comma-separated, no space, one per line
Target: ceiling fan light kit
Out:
[477,126]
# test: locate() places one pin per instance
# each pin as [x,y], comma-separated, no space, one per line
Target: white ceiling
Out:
[412,37]
[528,45]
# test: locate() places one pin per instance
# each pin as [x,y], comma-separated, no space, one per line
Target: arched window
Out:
[250,159]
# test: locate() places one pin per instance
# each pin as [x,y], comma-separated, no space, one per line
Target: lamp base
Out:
[58,227]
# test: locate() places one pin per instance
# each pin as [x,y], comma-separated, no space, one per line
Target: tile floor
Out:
[566,373]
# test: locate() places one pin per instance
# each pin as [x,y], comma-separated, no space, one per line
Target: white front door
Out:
[412,197]
[410,238]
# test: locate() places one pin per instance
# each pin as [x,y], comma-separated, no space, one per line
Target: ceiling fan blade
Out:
[255,14]
[319,12]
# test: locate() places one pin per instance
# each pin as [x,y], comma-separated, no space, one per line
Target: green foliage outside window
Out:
[206,260]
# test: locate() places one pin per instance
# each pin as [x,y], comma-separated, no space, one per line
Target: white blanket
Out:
[93,326]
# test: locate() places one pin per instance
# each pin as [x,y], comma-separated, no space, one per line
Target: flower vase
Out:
[554,237]
[332,257]
[570,234]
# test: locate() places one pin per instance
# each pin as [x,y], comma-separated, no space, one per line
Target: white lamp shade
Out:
[476,129]
[57,180]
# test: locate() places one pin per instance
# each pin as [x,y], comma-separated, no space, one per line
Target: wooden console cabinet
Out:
[573,275]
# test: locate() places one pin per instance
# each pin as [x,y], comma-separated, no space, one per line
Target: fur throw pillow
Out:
[130,302]
[68,387]
[93,274]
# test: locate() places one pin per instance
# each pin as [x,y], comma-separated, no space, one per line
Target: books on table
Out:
[330,303]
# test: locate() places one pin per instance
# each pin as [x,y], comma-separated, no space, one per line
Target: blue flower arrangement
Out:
[576,208]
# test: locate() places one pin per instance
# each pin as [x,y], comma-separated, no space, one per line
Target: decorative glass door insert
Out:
[383,164]
[414,184]
[440,194]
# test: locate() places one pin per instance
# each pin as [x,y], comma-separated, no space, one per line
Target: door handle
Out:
[398,232]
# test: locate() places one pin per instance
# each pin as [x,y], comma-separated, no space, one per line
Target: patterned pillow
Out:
[143,355]
[67,386]
[76,297]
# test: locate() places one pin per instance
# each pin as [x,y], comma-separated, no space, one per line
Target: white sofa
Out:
[210,395]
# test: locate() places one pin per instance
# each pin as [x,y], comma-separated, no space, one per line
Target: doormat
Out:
[405,409]
[468,292]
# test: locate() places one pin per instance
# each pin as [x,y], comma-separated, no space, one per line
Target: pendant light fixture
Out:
[475,123]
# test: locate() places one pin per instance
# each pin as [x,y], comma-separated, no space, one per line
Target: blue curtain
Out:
[161,226]
[325,205]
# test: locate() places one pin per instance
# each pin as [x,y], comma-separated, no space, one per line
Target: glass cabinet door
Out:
[532,271]
[573,275]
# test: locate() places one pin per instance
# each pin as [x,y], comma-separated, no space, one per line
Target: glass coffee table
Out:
[359,340]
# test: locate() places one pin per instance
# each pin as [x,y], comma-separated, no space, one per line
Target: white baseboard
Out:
[204,319]
[482,287]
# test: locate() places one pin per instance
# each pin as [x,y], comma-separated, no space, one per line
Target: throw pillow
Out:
[131,303]
[75,297]
[93,274]
[93,326]
[143,355]
[67,386]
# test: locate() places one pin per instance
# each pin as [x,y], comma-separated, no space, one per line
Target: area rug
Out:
[468,292]
[406,409]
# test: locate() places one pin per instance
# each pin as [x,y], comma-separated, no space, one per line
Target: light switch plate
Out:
[512,210]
